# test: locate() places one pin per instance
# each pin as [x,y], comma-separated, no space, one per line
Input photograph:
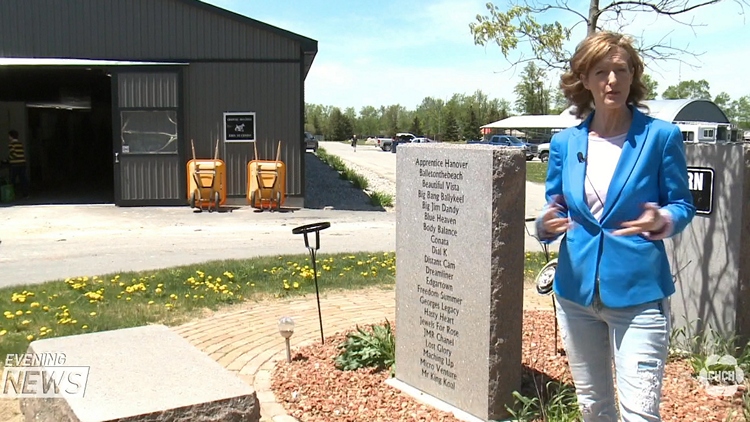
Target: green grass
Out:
[536,172]
[172,296]
[175,295]
[380,199]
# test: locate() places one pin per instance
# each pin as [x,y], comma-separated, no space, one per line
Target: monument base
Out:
[435,402]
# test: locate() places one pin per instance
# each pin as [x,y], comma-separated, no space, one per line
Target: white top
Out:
[601,160]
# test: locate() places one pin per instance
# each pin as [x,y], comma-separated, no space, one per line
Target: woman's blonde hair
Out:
[588,53]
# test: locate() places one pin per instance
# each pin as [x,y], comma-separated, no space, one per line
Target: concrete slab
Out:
[145,373]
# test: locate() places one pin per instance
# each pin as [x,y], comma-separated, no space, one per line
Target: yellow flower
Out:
[296,285]
[34,305]
[19,313]
[84,326]
[92,313]
[150,302]
[127,299]
[30,337]
[3,332]
[45,308]
[158,290]
[25,322]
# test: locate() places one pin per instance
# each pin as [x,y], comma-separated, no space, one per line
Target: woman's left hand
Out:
[650,221]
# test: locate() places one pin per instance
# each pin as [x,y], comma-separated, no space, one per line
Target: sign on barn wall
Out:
[239,127]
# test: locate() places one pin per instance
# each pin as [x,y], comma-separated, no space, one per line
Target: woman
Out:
[616,185]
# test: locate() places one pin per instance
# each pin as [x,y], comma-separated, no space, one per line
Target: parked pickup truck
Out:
[379,141]
[544,152]
[400,138]
[510,141]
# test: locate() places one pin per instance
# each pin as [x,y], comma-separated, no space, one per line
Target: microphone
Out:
[581,158]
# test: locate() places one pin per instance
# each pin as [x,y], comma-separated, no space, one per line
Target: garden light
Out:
[286,329]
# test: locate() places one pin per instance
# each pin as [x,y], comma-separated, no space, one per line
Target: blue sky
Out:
[400,51]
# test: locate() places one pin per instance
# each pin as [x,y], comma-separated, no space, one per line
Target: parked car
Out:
[421,140]
[530,150]
[310,142]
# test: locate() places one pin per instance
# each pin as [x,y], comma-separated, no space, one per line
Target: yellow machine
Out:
[266,182]
[207,182]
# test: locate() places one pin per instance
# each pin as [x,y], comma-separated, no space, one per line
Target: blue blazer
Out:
[626,270]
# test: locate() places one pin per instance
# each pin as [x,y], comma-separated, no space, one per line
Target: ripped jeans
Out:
[636,338]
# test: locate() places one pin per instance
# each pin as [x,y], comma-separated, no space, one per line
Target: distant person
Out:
[354,142]
[17,161]
[617,185]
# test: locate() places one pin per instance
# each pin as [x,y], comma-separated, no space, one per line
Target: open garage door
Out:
[64,117]
[148,152]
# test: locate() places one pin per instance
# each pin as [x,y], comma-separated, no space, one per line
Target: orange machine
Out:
[207,182]
[266,182]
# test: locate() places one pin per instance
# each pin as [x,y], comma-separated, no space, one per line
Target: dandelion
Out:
[3,332]
[30,337]
[295,285]
[150,302]
[19,313]
[25,322]
[84,326]
[158,291]
[92,313]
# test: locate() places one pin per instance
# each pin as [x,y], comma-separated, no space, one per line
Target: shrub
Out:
[373,348]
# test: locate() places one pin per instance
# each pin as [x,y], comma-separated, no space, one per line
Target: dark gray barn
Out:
[108,94]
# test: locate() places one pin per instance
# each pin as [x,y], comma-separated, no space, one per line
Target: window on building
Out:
[149,131]
[688,136]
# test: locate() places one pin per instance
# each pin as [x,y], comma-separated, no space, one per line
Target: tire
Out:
[544,156]
[386,148]
[529,158]
[546,277]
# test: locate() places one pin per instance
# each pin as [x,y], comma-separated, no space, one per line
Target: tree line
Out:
[460,117]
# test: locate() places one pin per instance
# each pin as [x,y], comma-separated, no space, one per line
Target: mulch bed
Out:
[312,389]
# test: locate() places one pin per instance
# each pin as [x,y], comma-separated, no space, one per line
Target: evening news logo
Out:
[42,376]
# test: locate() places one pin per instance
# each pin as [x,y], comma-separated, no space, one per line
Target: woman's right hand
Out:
[552,222]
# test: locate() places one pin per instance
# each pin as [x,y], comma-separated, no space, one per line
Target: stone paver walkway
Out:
[247,341]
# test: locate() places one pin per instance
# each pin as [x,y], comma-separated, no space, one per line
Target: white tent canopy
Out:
[535,122]
[669,110]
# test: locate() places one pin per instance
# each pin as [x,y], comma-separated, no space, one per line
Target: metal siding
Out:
[146,177]
[272,91]
[132,30]
[148,90]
